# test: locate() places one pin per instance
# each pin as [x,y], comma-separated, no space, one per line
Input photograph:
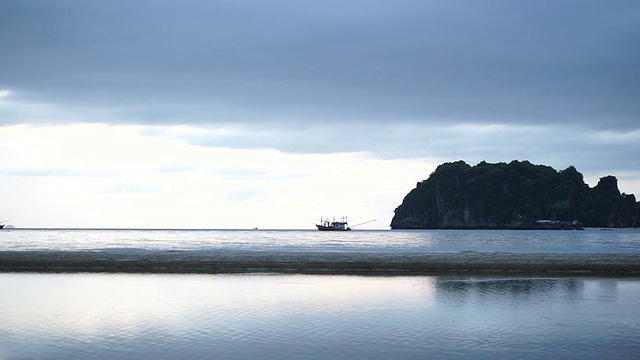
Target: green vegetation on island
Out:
[518,195]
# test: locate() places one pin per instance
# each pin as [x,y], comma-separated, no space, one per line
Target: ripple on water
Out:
[316,317]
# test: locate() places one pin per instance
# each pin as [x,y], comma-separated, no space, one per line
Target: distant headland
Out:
[517,195]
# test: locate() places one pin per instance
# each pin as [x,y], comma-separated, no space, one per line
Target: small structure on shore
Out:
[558,225]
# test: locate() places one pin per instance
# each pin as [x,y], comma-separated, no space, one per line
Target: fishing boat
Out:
[333,225]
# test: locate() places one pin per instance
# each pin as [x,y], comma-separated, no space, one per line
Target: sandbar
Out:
[227,261]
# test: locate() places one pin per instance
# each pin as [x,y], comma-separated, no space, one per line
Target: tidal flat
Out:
[343,262]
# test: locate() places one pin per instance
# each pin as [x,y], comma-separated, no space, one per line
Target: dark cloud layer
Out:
[292,62]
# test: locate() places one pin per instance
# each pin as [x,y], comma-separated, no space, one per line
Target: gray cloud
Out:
[400,79]
[558,146]
[359,61]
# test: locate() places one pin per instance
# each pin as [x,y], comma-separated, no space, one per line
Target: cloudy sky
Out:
[270,114]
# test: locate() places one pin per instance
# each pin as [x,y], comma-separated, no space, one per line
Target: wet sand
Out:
[313,262]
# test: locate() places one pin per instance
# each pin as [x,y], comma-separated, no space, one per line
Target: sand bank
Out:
[311,262]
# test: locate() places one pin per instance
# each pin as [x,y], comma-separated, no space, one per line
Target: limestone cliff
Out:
[514,195]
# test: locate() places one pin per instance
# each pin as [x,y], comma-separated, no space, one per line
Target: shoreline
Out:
[300,262]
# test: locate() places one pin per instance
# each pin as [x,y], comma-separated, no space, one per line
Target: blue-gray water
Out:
[268,316]
[547,241]
[126,316]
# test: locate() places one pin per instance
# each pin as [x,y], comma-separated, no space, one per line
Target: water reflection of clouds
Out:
[85,305]
[81,305]
[104,316]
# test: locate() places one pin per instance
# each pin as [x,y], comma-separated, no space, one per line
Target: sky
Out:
[233,114]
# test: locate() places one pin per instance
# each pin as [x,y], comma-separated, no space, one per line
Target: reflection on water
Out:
[107,316]
[524,289]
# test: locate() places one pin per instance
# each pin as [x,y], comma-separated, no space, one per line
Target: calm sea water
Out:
[588,241]
[125,316]
[269,316]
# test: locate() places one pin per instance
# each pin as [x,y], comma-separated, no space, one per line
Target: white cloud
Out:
[131,188]
[246,194]
[94,175]
[112,176]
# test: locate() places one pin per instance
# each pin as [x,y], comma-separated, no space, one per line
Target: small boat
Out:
[333,225]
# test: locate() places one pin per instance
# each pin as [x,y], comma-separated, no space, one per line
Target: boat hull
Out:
[331,228]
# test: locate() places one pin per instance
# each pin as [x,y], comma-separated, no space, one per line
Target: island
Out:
[517,195]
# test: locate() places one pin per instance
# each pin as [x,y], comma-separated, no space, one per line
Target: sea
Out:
[299,316]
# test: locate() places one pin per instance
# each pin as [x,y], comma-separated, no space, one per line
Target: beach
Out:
[229,261]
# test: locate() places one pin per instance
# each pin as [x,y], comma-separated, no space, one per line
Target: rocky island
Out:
[517,195]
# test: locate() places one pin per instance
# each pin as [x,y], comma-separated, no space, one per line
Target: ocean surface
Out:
[276,316]
[452,241]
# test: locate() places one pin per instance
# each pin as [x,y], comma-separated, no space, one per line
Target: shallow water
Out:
[109,316]
[516,241]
